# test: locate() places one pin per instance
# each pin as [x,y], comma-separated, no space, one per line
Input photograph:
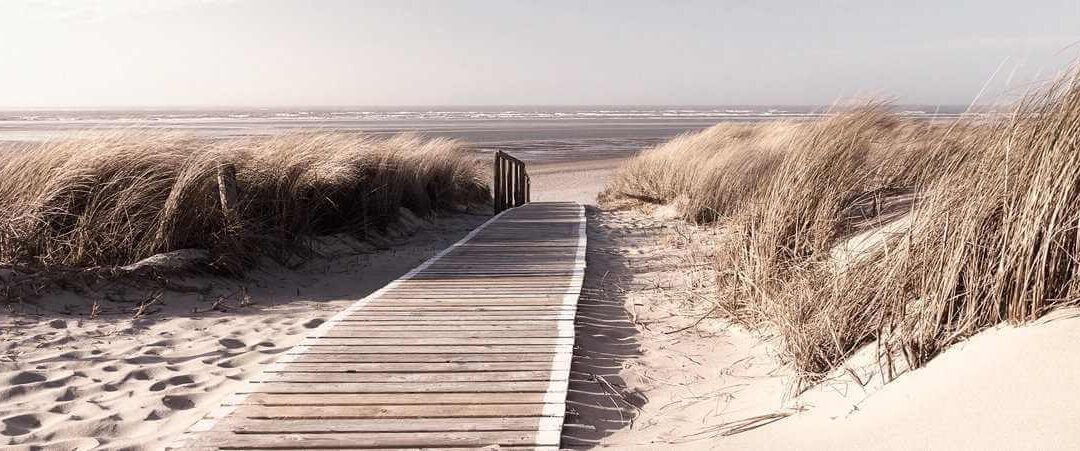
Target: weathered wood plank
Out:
[394,412]
[229,440]
[401,387]
[439,341]
[392,399]
[370,425]
[412,378]
[430,349]
[429,367]
[454,305]
[471,313]
[444,357]
[461,334]
[516,326]
[430,317]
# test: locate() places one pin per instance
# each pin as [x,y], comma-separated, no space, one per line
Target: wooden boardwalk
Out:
[470,349]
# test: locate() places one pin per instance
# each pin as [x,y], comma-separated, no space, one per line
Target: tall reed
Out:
[114,199]
[991,223]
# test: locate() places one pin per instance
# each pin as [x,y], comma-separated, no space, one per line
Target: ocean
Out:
[532,133]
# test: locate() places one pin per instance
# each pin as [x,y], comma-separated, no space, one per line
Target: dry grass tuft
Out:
[112,200]
[989,211]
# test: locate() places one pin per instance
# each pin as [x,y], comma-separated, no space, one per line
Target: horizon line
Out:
[160,107]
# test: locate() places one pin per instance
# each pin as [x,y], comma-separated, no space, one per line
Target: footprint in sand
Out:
[231,343]
[144,359]
[178,402]
[26,377]
[311,324]
[20,424]
[175,380]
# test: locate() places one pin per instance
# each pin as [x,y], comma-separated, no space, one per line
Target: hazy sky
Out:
[278,53]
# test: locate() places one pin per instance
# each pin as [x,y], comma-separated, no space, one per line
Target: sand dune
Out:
[696,381]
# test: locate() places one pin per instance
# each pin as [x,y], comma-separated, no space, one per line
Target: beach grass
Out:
[981,212]
[91,200]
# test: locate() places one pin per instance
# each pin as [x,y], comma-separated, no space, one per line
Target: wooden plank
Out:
[467,313]
[392,399]
[424,295]
[403,323]
[412,378]
[466,305]
[365,333]
[402,387]
[408,367]
[403,411]
[229,440]
[439,341]
[409,327]
[444,317]
[372,425]
[522,356]
[431,349]
[470,324]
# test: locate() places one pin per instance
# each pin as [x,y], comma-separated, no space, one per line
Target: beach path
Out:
[470,349]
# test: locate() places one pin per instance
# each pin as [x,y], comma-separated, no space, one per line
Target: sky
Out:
[125,53]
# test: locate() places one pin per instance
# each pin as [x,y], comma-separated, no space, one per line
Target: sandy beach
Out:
[654,365]
[119,380]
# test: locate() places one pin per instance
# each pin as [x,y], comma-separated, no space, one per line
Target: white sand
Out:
[571,181]
[70,382]
[1006,388]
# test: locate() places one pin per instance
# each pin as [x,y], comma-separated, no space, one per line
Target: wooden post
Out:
[508,183]
[226,180]
[514,176]
[519,193]
[497,201]
[528,188]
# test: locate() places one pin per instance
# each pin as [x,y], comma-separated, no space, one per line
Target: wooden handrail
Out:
[512,184]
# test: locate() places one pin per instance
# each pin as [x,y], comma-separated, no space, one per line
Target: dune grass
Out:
[991,232]
[101,200]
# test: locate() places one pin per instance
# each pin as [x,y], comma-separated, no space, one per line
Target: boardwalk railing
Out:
[511,182]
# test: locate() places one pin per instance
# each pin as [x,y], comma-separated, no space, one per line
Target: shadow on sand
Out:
[598,402]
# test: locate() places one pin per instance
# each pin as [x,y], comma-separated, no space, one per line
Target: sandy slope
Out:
[71,382]
[1006,388]
[716,386]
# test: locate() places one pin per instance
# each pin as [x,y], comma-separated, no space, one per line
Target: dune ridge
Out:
[989,231]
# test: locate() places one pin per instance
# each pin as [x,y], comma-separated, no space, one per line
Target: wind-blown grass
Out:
[100,200]
[992,223]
